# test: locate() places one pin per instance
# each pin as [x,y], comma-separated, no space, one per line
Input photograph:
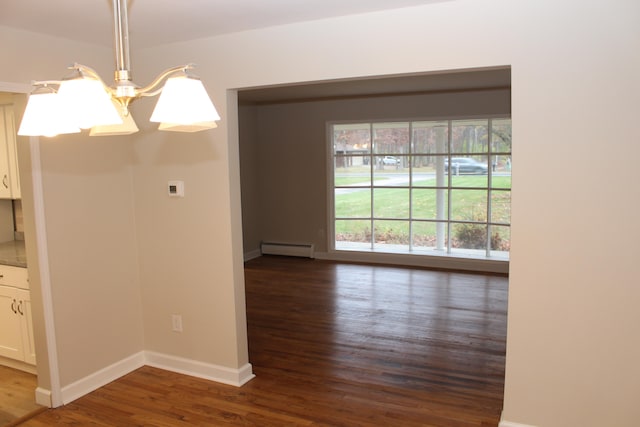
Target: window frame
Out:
[448,188]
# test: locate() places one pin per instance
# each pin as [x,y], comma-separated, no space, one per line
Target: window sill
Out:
[465,260]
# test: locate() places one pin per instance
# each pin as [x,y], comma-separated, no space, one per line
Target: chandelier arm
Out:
[45,82]
[93,73]
[90,71]
[153,88]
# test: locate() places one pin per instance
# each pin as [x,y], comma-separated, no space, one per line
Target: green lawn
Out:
[466,205]
[349,180]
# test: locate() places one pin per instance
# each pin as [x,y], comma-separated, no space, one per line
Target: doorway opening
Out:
[288,195]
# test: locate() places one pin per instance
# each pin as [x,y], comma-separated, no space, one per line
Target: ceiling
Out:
[92,21]
[451,81]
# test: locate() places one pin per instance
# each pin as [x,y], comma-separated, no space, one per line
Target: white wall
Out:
[572,358]
[92,253]
[185,251]
[574,78]
[250,177]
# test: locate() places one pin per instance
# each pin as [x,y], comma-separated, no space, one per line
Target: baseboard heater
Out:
[304,250]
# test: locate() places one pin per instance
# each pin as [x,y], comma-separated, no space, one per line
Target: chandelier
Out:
[83,101]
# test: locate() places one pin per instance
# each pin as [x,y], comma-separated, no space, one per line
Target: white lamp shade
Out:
[44,116]
[127,127]
[184,101]
[88,103]
[194,127]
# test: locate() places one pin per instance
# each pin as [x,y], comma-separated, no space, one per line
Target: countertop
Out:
[13,253]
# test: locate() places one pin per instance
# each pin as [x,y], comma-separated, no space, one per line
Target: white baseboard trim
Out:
[434,261]
[512,424]
[43,397]
[102,377]
[248,256]
[194,368]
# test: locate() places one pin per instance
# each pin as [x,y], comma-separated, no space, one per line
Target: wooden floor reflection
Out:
[379,345]
[17,395]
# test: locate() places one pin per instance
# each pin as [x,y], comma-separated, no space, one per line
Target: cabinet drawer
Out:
[14,276]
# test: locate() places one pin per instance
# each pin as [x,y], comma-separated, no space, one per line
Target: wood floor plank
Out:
[17,394]
[335,344]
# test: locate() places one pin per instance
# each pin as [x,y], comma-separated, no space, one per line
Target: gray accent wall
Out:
[283,155]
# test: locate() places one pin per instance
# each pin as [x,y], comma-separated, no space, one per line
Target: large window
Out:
[423,187]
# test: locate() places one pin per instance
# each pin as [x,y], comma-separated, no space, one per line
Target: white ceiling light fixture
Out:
[44,114]
[84,101]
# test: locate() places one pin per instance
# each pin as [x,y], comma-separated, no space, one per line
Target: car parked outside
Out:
[465,165]
[390,160]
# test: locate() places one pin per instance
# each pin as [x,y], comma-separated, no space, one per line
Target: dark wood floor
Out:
[335,345]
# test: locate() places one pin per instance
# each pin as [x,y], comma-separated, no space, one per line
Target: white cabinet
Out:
[9,177]
[16,325]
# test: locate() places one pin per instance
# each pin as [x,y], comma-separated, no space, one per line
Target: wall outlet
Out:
[176,323]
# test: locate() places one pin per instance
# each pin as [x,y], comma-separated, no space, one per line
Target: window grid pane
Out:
[423,186]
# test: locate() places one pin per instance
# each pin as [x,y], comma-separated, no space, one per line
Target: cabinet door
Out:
[10,324]
[28,341]
[5,180]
